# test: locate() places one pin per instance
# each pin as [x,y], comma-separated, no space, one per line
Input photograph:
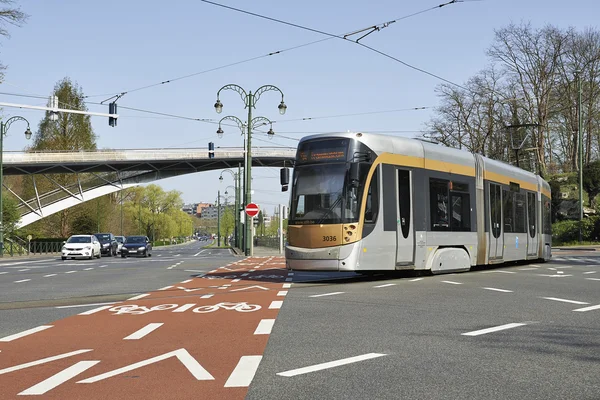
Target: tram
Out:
[366,202]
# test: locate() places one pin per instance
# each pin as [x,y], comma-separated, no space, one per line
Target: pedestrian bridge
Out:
[107,171]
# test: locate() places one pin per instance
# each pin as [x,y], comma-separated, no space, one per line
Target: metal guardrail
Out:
[45,247]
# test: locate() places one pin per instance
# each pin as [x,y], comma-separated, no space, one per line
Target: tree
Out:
[591,179]
[9,16]
[10,213]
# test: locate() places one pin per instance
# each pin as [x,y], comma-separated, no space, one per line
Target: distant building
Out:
[212,213]
[189,209]
[200,207]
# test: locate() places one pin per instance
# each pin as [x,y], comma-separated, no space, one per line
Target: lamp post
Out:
[4,126]
[219,218]
[249,100]
[237,189]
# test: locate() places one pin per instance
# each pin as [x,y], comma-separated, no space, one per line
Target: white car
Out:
[120,240]
[81,246]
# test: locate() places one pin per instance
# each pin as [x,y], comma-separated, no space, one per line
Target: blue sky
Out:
[112,46]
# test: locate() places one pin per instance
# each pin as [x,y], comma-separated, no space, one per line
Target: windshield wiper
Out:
[330,209]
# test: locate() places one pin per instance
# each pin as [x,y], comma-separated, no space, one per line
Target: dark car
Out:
[108,243]
[136,246]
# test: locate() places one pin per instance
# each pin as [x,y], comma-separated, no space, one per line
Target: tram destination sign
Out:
[323,151]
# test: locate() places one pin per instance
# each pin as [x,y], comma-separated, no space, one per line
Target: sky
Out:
[113,46]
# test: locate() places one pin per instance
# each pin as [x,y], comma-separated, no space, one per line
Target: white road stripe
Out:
[23,270]
[326,294]
[452,282]
[2,273]
[103,266]
[497,290]
[416,279]
[139,296]
[565,300]
[493,329]
[187,281]
[527,269]
[264,327]
[244,372]
[590,308]
[59,378]
[275,305]
[23,280]
[593,279]
[165,288]
[95,310]
[282,293]
[70,272]
[88,269]
[331,364]
[207,296]
[386,285]
[235,280]
[25,333]
[144,331]
[287,285]
[498,271]
[43,361]
[49,275]
[590,272]
[87,305]
[184,307]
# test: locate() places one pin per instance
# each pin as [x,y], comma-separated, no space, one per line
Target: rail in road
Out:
[201,337]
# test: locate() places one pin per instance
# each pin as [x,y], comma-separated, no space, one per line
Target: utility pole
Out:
[580,151]
[218,218]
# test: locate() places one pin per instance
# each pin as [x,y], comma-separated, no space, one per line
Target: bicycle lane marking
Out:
[193,338]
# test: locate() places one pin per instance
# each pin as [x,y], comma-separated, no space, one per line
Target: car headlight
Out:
[141,248]
[105,244]
[87,247]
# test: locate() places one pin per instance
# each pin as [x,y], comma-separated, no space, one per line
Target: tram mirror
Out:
[354,174]
[284,178]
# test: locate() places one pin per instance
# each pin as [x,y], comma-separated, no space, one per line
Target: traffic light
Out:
[112,109]
[211,150]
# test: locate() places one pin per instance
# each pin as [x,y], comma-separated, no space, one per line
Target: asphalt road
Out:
[31,290]
[424,338]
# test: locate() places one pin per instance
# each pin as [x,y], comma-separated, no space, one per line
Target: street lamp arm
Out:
[238,121]
[238,89]
[255,122]
[13,119]
[265,88]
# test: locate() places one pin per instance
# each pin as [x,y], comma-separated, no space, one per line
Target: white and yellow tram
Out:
[366,202]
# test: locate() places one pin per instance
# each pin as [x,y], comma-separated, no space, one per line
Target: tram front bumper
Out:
[338,258]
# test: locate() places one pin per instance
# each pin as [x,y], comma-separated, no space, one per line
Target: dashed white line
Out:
[23,270]
[590,272]
[88,269]
[497,290]
[282,293]
[244,372]
[235,280]
[452,282]
[184,307]
[493,329]
[498,271]
[264,327]
[331,364]
[23,280]
[590,308]
[286,286]
[207,296]
[416,279]
[139,296]
[49,275]
[103,266]
[144,331]
[565,300]
[275,305]
[25,333]
[593,279]
[86,305]
[386,285]
[2,273]
[528,269]
[165,288]
[187,281]
[326,294]
[58,378]
[70,272]
[95,310]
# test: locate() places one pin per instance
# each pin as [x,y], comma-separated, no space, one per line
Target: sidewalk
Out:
[577,248]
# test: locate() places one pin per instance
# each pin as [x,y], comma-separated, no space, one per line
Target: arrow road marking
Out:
[249,287]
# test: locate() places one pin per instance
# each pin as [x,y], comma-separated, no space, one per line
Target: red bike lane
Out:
[200,338]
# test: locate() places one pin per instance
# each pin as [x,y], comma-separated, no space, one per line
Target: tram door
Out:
[533,235]
[495,235]
[404,230]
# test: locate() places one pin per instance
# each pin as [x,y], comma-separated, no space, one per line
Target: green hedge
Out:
[568,231]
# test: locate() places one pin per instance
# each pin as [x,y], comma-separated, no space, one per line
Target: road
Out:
[193,322]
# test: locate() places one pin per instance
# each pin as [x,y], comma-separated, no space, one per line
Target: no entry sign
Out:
[252,209]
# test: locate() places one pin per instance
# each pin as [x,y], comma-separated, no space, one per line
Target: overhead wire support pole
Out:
[580,151]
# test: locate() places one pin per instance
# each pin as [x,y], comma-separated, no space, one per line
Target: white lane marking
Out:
[184,307]
[331,364]
[264,327]
[26,262]
[103,266]
[88,269]
[2,273]
[497,290]
[70,272]
[555,276]
[213,271]
[95,310]
[42,361]
[590,272]
[275,305]
[235,280]
[528,269]
[23,270]
[139,296]
[386,285]
[207,296]
[58,378]
[590,308]
[49,275]
[564,300]
[326,294]
[498,271]
[416,279]
[286,286]
[182,355]
[282,293]
[493,329]
[87,305]
[593,279]
[23,280]
[198,253]
[165,288]
[25,333]
[144,331]
[187,281]
[452,282]
[244,372]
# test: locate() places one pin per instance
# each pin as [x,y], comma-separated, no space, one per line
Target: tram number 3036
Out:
[329,238]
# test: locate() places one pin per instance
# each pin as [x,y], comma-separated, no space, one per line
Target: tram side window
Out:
[507,206]
[372,207]
[520,213]
[438,195]
[531,215]
[461,212]
[547,216]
